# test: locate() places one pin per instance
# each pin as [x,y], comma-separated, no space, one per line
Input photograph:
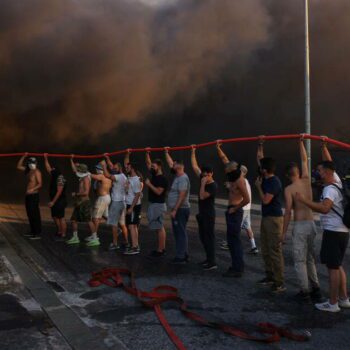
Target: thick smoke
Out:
[78,69]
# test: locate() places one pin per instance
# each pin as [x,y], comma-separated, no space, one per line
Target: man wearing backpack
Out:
[335,236]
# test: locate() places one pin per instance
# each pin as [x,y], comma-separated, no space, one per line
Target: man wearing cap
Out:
[34,184]
[82,205]
[102,187]
[246,221]
[238,198]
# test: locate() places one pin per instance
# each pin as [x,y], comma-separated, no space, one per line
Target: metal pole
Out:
[307,83]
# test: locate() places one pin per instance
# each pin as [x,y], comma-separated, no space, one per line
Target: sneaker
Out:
[89,238]
[34,237]
[232,273]
[179,261]
[209,266]
[224,246]
[113,246]
[254,251]
[73,240]
[265,282]
[157,254]
[278,289]
[132,251]
[93,243]
[327,306]
[344,303]
[302,297]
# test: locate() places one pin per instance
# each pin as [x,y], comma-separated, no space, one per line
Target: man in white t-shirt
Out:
[117,207]
[133,207]
[335,236]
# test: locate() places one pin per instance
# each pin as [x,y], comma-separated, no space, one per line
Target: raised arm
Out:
[148,159]
[74,168]
[168,158]
[127,157]
[108,161]
[221,153]
[47,164]
[20,164]
[325,152]
[106,173]
[194,162]
[304,161]
[260,152]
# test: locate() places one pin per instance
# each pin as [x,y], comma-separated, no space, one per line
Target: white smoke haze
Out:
[80,68]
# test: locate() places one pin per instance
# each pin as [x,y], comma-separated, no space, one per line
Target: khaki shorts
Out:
[101,207]
[82,212]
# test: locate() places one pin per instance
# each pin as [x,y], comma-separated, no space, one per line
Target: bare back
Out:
[301,211]
[104,186]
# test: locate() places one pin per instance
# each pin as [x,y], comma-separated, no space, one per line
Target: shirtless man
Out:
[246,221]
[102,187]
[82,205]
[304,231]
[238,197]
[117,209]
[34,184]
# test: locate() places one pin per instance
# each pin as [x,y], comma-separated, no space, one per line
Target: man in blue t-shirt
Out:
[270,192]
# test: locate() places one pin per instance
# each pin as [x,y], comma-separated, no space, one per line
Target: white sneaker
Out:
[89,238]
[344,303]
[327,306]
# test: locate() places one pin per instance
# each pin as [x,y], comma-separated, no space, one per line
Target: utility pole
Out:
[307,83]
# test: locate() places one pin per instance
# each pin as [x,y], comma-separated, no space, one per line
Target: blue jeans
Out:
[180,233]
[234,222]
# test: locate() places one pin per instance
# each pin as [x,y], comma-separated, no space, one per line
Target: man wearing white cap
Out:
[82,205]
[34,184]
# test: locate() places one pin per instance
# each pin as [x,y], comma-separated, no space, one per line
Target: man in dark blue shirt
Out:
[270,191]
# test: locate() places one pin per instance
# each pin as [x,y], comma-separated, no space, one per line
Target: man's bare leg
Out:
[250,235]
[115,235]
[343,291]
[96,222]
[63,225]
[334,283]
[161,239]
[58,225]
[124,232]
[134,236]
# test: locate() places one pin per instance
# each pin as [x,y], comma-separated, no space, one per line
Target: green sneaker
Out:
[73,240]
[93,243]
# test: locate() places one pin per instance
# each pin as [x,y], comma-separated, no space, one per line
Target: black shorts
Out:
[135,217]
[58,210]
[333,248]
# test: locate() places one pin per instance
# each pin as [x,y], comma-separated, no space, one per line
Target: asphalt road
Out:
[120,320]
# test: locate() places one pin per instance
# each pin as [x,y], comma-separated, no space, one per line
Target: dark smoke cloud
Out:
[72,71]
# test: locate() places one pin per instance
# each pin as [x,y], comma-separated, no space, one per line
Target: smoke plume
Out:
[72,71]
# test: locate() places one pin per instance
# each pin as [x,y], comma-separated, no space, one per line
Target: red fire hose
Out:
[180,148]
[113,277]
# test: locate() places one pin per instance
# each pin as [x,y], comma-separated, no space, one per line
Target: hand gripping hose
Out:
[343,145]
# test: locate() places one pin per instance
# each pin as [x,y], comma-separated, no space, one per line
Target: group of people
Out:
[119,194]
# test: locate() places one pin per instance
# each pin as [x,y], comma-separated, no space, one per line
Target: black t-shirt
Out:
[272,185]
[207,206]
[158,181]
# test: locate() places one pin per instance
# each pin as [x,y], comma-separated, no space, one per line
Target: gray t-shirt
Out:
[180,183]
